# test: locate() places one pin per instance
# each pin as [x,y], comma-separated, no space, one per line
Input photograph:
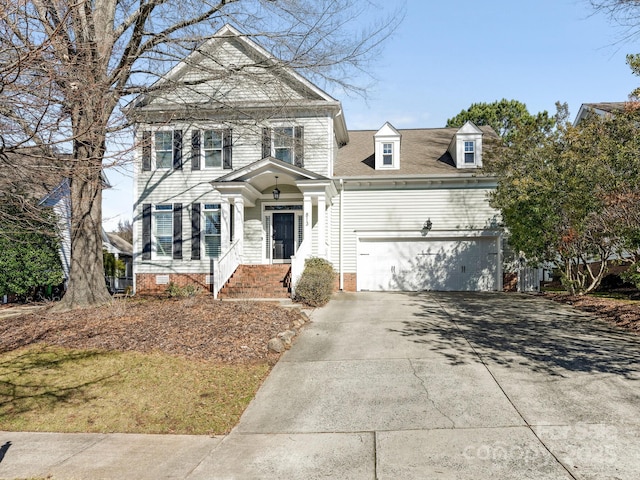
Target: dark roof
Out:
[119,242]
[611,107]
[423,151]
[30,171]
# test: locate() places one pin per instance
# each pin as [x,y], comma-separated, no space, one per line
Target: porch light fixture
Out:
[426,228]
[276,192]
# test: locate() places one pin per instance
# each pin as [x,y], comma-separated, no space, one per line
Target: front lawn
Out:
[187,366]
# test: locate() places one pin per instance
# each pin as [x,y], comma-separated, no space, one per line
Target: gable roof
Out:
[423,151]
[267,167]
[386,130]
[230,74]
[117,242]
[217,63]
[601,108]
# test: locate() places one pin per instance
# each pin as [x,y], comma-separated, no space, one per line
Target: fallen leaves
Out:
[196,327]
[621,313]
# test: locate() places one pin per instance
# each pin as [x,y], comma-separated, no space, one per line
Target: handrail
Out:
[224,267]
[297,263]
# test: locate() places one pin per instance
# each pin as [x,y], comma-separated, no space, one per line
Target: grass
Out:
[61,390]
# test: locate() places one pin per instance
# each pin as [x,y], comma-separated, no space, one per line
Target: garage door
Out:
[436,264]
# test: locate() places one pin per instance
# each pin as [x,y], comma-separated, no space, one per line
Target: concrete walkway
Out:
[403,386]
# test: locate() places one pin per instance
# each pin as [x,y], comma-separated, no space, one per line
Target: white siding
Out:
[398,210]
[248,82]
[253,234]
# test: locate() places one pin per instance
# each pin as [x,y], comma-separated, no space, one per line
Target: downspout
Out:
[341,286]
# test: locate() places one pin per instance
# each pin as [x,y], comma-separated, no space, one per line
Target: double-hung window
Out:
[212,148]
[212,229]
[164,149]
[163,232]
[387,153]
[283,142]
[469,152]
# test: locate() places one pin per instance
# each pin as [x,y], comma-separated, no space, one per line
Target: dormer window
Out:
[469,152]
[466,146]
[387,148]
[387,154]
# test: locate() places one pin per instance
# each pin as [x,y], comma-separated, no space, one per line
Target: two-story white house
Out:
[243,165]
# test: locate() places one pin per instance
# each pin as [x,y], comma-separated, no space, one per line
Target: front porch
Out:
[272,213]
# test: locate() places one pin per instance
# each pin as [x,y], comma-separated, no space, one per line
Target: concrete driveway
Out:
[403,386]
[446,386]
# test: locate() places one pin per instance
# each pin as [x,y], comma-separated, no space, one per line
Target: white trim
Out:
[203,159]
[154,225]
[154,163]
[437,235]
[267,257]
[409,234]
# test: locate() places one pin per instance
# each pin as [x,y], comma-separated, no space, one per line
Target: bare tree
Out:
[125,230]
[76,63]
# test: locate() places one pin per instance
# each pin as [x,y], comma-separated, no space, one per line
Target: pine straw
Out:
[197,327]
[621,313]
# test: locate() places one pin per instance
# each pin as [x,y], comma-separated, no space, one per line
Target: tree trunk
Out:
[86,286]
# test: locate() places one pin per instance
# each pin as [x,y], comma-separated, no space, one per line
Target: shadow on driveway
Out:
[511,329]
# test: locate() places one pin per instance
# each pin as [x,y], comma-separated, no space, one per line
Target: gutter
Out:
[340,242]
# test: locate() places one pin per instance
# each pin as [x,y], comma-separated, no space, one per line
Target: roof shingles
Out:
[422,152]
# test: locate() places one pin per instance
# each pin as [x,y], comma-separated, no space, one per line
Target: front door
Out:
[283,237]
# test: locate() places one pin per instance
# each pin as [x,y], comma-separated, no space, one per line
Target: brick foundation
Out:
[349,280]
[146,282]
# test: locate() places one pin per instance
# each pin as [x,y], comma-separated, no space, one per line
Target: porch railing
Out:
[224,267]
[297,263]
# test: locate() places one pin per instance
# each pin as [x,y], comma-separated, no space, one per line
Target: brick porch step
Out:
[259,281]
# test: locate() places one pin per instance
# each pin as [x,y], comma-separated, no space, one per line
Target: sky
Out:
[446,55]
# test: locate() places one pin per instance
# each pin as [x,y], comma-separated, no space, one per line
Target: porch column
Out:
[238,222]
[226,225]
[307,210]
[322,241]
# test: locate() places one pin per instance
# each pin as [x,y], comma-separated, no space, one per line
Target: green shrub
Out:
[632,274]
[174,290]
[316,283]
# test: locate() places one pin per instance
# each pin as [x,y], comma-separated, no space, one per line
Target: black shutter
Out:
[195,231]
[299,146]
[177,231]
[177,149]
[146,151]
[266,142]
[226,149]
[146,231]
[195,150]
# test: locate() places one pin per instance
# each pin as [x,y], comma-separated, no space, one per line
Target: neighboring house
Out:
[122,250]
[602,109]
[59,200]
[241,166]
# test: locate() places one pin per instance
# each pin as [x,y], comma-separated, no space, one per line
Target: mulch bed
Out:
[621,313]
[196,327]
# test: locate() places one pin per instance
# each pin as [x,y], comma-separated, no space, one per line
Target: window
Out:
[387,153]
[164,149]
[163,221]
[212,147]
[212,229]
[283,142]
[470,152]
